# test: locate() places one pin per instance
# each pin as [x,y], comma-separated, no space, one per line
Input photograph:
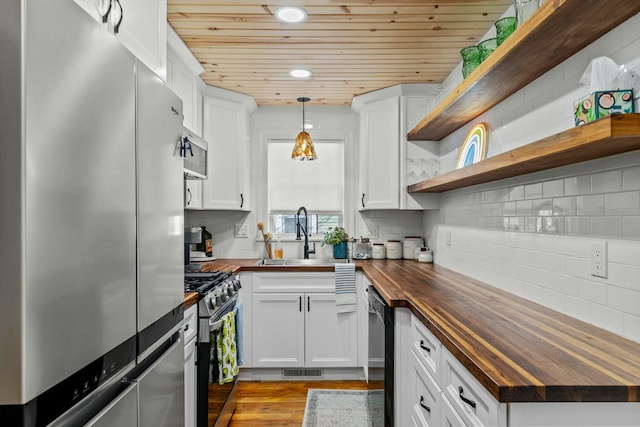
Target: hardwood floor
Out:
[280,403]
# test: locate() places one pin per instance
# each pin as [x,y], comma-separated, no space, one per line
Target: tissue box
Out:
[602,104]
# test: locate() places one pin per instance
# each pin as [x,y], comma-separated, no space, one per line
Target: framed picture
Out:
[474,147]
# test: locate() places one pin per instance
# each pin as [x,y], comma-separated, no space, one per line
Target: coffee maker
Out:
[192,235]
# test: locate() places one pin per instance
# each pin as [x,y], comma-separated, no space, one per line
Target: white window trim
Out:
[345,135]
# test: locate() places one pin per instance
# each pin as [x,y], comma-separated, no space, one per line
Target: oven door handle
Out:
[217,324]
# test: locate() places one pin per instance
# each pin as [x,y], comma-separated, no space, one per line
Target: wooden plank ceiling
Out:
[351,46]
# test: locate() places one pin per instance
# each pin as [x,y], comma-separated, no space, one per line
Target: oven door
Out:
[215,402]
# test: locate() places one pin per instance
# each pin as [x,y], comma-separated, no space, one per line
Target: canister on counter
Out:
[425,255]
[394,249]
[377,251]
[409,246]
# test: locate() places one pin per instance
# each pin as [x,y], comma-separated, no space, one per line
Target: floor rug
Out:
[344,408]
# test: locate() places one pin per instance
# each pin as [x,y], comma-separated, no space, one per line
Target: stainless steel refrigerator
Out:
[90,226]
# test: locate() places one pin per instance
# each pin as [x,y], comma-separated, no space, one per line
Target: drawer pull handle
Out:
[423,405]
[465,400]
[424,347]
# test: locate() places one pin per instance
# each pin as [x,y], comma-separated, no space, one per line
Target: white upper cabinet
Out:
[225,128]
[387,162]
[183,71]
[379,155]
[141,26]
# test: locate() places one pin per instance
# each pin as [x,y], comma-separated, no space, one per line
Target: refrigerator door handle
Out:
[103,417]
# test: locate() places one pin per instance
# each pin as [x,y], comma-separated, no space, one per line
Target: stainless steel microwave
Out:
[193,150]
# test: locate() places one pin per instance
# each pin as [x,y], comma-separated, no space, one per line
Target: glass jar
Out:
[504,28]
[486,48]
[524,9]
[470,59]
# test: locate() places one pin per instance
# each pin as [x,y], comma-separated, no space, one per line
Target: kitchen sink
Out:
[294,262]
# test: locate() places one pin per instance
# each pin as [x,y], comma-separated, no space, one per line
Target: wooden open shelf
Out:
[605,137]
[557,30]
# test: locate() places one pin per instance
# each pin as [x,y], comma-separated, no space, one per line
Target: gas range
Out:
[215,290]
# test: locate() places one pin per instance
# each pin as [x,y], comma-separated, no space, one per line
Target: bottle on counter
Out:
[278,251]
[206,246]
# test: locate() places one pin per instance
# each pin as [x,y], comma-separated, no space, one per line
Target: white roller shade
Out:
[317,184]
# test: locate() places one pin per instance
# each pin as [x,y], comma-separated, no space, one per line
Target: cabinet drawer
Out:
[426,396]
[191,323]
[450,417]
[294,282]
[471,400]
[427,347]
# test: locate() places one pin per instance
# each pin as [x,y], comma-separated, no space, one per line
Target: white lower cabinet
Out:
[302,327]
[190,333]
[192,194]
[475,405]
[429,376]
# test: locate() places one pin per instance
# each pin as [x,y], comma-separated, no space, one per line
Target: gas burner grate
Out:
[203,282]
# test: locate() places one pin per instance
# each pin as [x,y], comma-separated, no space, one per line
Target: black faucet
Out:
[304,230]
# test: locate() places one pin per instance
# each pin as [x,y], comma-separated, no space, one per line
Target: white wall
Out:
[532,235]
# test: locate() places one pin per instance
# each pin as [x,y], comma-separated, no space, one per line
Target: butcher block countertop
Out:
[520,351]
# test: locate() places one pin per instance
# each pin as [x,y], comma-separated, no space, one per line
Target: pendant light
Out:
[303,150]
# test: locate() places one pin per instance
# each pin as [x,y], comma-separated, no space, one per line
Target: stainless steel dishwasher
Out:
[380,361]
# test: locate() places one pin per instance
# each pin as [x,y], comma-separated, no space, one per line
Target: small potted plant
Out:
[338,237]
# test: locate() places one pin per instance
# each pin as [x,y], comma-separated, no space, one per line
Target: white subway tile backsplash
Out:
[607,318]
[631,228]
[577,185]
[565,206]
[592,291]
[606,226]
[606,182]
[542,207]
[578,308]
[631,327]
[516,193]
[590,205]
[626,300]
[553,188]
[627,203]
[533,191]
[631,179]
[524,208]
[578,226]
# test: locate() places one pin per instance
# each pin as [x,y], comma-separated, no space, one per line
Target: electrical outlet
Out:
[599,259]
[241,230]
[448,237]
[373,232]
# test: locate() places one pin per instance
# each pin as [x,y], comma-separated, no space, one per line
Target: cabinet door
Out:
[224,130]
[379,155]
[143,29]
[278,330]
[190,384]
[192,194]
[330,337]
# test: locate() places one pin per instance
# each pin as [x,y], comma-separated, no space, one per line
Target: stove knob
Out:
[219,300]
[231,290]
[212,303]
[238,284]
[224,296]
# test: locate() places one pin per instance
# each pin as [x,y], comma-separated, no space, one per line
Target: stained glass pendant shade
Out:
[304,149]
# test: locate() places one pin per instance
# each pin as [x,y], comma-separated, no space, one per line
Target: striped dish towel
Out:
[345,287]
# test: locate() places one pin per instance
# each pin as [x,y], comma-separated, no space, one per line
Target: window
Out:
[317,185]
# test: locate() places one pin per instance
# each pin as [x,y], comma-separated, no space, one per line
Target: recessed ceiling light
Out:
[291,14]
[300,73]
